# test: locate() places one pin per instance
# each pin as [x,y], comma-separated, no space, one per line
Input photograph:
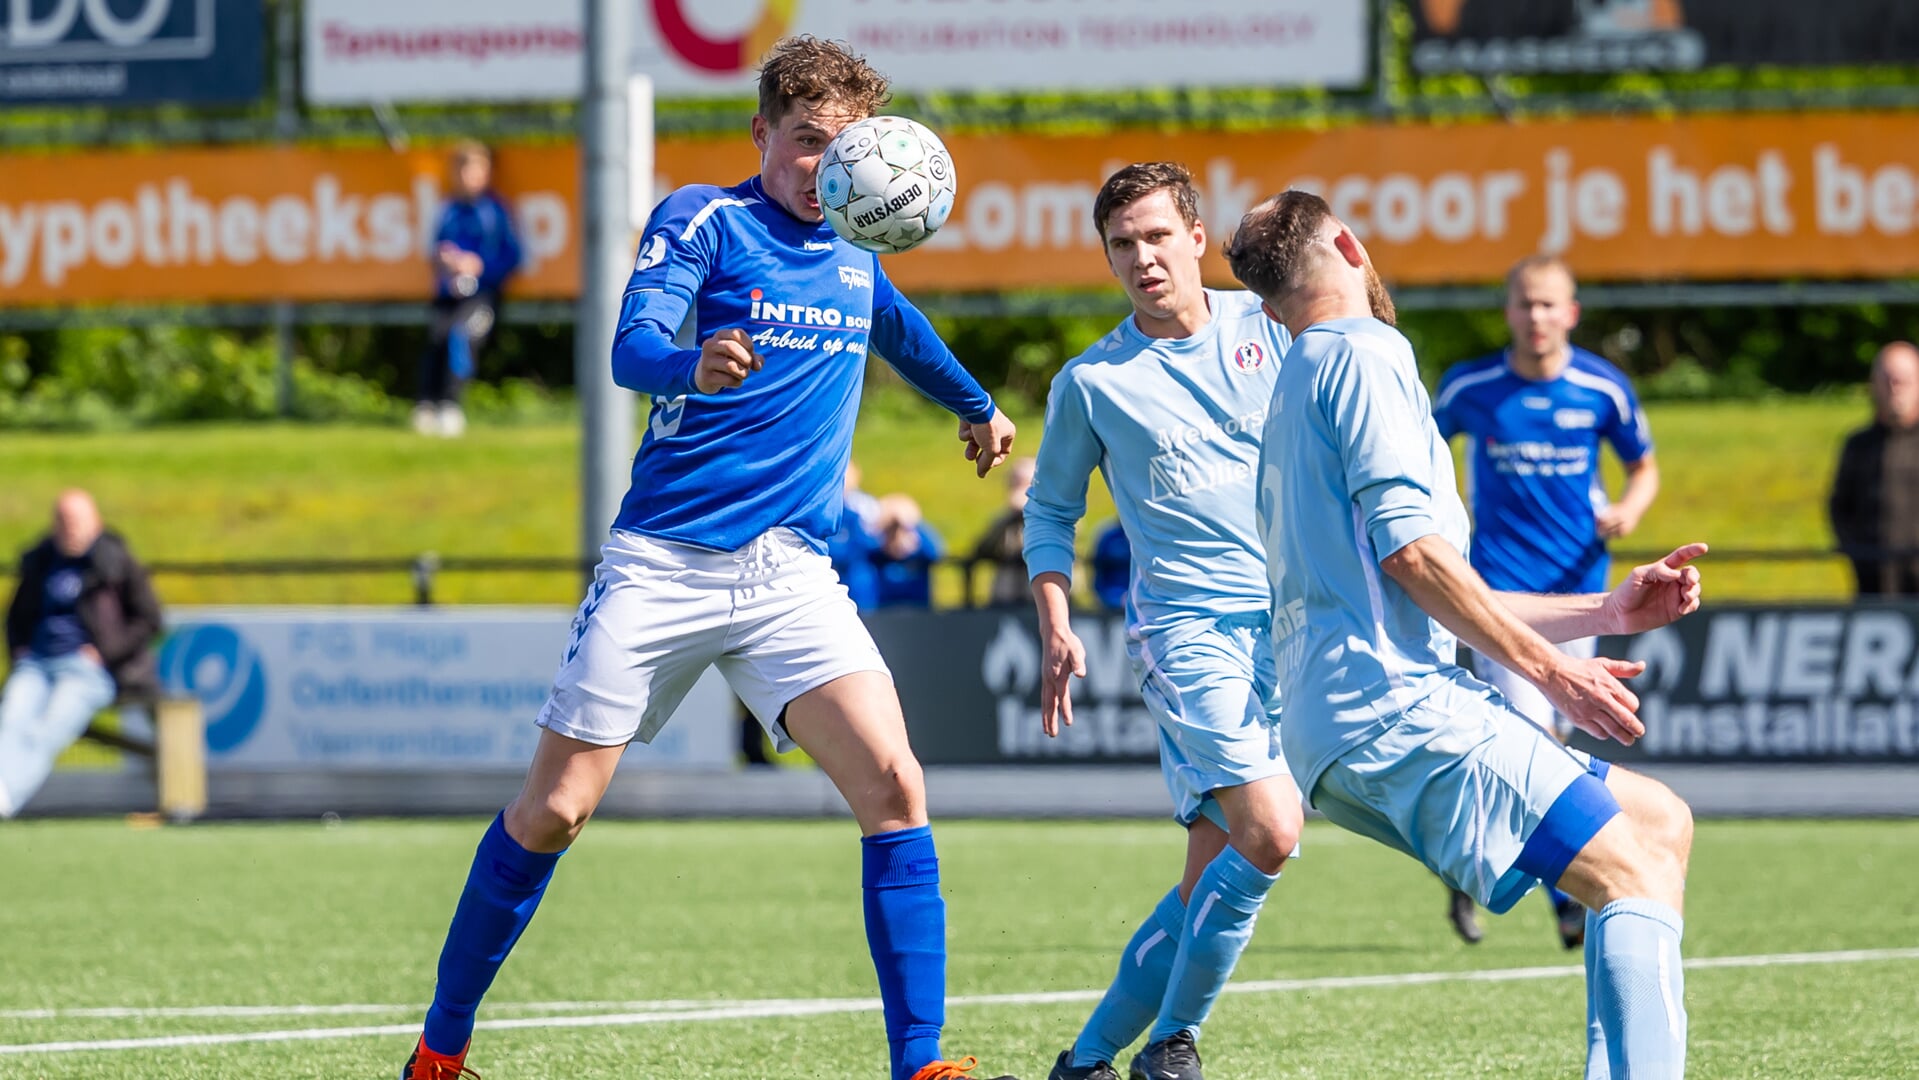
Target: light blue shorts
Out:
[1212,687]
[1462,783]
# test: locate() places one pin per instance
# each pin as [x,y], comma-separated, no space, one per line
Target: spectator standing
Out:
[78,631]
[905,554]
[1004,543]
[851,548]
[475,251]
[1875,496]
[1535,414]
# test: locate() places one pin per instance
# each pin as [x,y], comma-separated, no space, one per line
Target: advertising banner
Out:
[361,51]
[713,47]
[1524,36]
[1809,684]
[1749,197]
[131,53]
[1700,197]
[258,223]
[969,683]
[405,689]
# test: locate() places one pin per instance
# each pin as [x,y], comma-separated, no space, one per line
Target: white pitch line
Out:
[757,1010]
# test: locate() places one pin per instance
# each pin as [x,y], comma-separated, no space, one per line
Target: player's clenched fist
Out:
[726,360]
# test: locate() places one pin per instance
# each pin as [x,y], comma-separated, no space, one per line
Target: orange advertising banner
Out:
[258,223]
[1819,195]
[1706,197]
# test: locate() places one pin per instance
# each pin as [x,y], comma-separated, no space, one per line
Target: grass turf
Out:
[96,914]
[1738,475]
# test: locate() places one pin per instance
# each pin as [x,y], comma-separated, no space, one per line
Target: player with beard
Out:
[1389,737]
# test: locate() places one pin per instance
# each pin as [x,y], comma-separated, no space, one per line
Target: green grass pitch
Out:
[684,929]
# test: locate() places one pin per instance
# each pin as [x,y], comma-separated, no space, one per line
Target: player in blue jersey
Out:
[1534,415]
[1365,547]
[1169,407]
[718,556]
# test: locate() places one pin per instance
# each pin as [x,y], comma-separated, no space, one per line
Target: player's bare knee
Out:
[548,823]
[897,793]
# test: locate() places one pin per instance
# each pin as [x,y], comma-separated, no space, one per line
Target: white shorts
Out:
[1524,697]
[772,616]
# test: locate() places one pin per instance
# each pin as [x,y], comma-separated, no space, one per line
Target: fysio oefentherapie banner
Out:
[1523,36]
[713,47]
[93,51]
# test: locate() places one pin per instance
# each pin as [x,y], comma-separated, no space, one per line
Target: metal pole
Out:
[286,122]
[606,411]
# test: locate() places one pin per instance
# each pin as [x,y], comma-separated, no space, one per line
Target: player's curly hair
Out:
[1136,181]
[806,68]
[1273,244]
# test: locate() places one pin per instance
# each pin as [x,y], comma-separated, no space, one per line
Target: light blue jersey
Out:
[1352,470]
[1173,425]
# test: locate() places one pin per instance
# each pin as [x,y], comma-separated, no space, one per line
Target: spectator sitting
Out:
[475,250]
[1112,567]
[1875,496]
[905,554]
[78,631]
[1003,544]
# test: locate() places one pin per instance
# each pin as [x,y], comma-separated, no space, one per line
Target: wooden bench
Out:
[178,750]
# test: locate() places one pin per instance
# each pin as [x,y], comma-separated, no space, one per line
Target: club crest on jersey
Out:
[1249,357]
[651,255]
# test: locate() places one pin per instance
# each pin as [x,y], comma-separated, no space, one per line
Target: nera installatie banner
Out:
[1524,36]
[1803,684]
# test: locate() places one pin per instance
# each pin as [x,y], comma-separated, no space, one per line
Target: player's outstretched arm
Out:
[1063,655]
[1587,692]
[726,359]
[1650,597]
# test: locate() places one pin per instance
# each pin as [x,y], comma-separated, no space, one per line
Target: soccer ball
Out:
[886,184]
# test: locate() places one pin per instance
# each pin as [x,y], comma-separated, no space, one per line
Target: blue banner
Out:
[129,52]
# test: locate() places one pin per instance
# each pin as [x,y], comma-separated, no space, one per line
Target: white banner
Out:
[398,688]
[360,51]
[712,47]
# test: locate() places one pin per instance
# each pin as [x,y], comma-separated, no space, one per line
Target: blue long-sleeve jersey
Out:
[716,470]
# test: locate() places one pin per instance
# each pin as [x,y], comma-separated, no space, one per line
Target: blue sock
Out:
[502,891]
[1137,991]
[1218,924]
[906,931]
[1597,1068]
[1641,998]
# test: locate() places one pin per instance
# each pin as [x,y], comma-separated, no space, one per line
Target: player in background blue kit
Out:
[1534,415]
[1365,540]
[1169,407]
[718,556]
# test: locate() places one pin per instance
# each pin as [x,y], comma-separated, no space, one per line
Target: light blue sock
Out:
[1641,998]
[1134,998]
[1218,924]
[1597,1067]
